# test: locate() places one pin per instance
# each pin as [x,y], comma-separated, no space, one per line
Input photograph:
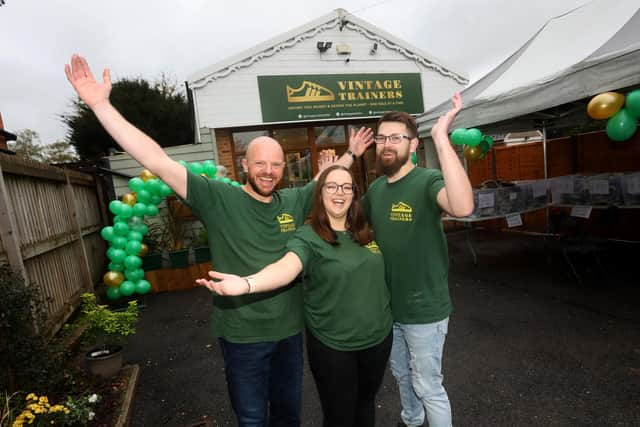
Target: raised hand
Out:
[227,284]
[80,76]
[326,158]
[441,128]
[360,141]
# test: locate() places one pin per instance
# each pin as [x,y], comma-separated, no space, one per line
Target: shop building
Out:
[308,87]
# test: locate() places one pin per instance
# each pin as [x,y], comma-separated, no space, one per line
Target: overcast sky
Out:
[145,38]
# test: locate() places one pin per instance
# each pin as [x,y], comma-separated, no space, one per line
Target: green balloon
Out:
[133,247]
[152,210]
[126,211]
[484,147]
[156,199]
[632,103]
[142,229]
[488,140]
[134,275]
[107,233]
[473,137]
[113,293]
[114,266]
[196,168]
[135,235]
[621,126]
[120,228]
[143,287]
[143,196]
[117,255]
[115,206]
[210,168]
[153,186]
[458,136]
[136,219]
[127,288]
[226,180]
[119,242]
[132,262]
[184,163]
[136,184]
[236,184]
[165,190]
[139,209]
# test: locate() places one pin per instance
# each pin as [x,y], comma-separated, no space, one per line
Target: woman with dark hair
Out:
[346,300]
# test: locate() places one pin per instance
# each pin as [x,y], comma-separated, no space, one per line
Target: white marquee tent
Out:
[591,49]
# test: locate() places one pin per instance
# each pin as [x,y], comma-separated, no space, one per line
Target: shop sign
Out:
[338,96]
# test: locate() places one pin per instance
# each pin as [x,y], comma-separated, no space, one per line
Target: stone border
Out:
[125,410]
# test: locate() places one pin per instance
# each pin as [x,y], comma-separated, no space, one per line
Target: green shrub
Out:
[105,326]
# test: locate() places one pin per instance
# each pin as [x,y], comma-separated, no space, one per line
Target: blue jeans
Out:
[265,381]
[416,363]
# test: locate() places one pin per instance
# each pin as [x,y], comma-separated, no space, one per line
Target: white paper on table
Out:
[599,186]
[563,185]
[486,200]
[514,220]
[581,211]
[539,188]
[633,184]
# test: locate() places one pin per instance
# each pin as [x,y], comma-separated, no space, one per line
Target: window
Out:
[329,135]
[242,139]
[292,139]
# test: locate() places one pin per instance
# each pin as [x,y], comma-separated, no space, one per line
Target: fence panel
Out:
[50,227]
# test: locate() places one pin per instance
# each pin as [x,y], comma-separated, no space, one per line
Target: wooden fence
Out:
[50,221]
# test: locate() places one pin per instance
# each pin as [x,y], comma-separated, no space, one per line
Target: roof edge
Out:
[311,29]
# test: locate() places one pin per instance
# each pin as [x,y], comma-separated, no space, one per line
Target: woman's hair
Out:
[356,223]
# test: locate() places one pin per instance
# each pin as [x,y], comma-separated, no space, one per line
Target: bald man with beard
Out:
[259,334]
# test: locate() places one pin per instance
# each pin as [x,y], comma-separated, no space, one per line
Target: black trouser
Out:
[348,381]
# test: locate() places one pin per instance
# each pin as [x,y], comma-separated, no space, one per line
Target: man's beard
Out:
[392,167]
[254,185]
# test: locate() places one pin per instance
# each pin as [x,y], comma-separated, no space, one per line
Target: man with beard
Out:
[405,208]
[248,227]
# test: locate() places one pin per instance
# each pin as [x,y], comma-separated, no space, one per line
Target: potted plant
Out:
[107,331]
[202,249]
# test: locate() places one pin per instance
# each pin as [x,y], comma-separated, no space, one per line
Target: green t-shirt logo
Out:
[401,212]
[373,247]
[287,224]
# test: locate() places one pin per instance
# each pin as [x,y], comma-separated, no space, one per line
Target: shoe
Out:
[402,424]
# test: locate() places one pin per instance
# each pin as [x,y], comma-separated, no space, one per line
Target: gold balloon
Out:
[130,199]
[144,249]
[472,153]
[146,175]
[605,105]
[113,278]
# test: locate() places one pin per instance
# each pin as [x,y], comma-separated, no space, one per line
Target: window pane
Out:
[292,139]
[329,135]
[242,177]
[242,139]
[298,171]
[357,126]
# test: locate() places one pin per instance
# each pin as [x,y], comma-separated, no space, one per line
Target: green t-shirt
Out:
[245,235]
[407,222]
[346,299]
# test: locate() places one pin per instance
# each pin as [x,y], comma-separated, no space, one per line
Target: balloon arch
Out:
[126,249]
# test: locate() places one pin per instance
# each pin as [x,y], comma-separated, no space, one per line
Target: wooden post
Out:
[71,204]
[9,231]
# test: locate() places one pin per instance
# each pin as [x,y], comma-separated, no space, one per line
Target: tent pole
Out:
[546,174]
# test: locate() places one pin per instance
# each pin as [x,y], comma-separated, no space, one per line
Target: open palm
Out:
[80,76]
[441,128]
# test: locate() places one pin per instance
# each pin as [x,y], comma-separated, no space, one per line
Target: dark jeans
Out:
[265,381]
[348,381]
